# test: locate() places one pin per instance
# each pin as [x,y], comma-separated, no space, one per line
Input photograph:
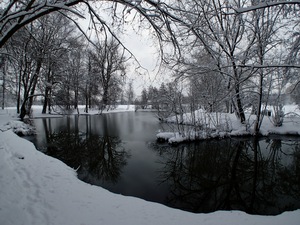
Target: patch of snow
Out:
[16,125]
[37,110]
[220,125]
[20,128]
[178,138]
[165,135]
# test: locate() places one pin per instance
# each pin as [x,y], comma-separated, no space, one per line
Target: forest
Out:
[223,55]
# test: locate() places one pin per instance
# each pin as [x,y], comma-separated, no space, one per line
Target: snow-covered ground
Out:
[220,125]
[38,189]
[37,109]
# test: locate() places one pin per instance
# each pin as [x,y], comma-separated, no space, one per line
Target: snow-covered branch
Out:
[12,20]
[266,4]
[254,66]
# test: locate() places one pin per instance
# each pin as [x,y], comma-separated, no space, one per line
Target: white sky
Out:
[142,45]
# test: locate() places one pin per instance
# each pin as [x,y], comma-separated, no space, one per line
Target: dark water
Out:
[119,152]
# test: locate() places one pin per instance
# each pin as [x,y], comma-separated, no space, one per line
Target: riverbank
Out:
[24,129]
[38,189]
[221,125]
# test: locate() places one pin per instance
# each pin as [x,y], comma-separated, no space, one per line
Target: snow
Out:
[19,128]
[220,125]
[37,111]
[38,189]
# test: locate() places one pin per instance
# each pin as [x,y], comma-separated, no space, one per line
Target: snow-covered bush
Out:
[278,115]
[21,128]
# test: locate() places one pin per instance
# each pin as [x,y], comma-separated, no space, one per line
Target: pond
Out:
[119,152]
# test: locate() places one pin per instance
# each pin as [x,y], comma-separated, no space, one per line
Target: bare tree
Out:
[71,78]
[28,64]
[222,38]
[39,51]
[265,28]
[240,45]
[130,93]
[144,98]
[62,50]
[108,62]
[207,85]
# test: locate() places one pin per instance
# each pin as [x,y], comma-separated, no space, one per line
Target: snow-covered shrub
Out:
[226,124]
[278,115]
[21,128]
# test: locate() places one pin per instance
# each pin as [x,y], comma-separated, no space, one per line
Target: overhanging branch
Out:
[265,5]
[269,66]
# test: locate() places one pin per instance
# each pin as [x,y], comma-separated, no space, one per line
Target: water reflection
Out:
[97,158]
[258,177]
[119,152]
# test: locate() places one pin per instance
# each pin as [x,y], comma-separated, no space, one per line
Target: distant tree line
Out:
[50,62]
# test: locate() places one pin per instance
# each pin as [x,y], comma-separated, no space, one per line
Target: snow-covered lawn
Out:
[38,189]
[37,109]
[220,125]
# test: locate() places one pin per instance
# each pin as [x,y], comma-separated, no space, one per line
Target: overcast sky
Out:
[142,45]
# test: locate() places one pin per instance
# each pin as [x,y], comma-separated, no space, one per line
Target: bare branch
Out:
[265,5]
[269,66]
[28,14]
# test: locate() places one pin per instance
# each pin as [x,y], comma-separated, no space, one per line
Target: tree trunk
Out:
[76,98]
[3,84]
[29,91]
[49,100]
[89,98]
[19,93]
[68,98]
[34,83]
[259,104]
[47,90]
[23,111]
[45,100]
[105,98]
[86,100]
[240,109]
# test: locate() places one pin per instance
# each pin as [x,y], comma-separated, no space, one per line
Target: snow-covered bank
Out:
[38,189]
[37,111]
[220,125]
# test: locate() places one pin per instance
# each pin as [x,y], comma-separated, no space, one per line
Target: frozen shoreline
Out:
[38,189]
[218,126]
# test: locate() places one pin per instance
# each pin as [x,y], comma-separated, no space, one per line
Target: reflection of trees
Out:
[289,174]
[232,174]
[97,157]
